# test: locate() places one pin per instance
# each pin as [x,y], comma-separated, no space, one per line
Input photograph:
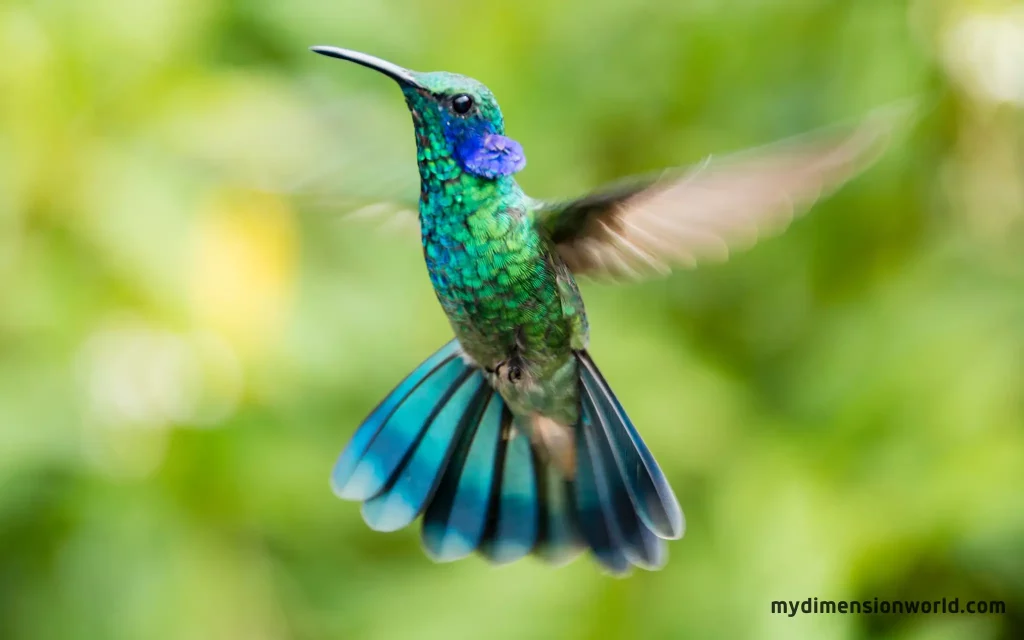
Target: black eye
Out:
[462,103]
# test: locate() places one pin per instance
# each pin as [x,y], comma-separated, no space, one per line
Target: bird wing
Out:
[330,158]
[683,216]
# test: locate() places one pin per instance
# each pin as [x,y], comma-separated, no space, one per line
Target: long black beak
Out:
[402,76]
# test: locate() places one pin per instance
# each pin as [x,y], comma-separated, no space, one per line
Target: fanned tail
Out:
[625,505]
[442,444]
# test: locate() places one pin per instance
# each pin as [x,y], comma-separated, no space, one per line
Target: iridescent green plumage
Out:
[511,300]
[521,445]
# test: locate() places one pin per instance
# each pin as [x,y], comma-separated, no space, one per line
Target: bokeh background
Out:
[191,327]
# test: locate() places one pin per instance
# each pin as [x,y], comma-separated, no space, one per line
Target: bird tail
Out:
[624,504]
[442,445]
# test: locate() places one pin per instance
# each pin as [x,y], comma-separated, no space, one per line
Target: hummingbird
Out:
[508,441]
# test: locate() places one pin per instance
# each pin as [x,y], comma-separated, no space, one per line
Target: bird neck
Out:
[447,191]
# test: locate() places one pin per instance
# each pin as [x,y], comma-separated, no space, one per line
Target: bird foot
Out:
[510,369]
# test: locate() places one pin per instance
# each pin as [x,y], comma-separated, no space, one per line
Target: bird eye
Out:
[462,103]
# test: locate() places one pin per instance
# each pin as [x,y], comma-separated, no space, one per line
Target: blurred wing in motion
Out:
[699,213]
[350,159]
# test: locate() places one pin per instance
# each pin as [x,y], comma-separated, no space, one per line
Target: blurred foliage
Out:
[187,339]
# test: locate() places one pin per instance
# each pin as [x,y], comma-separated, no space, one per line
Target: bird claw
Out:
[510,369]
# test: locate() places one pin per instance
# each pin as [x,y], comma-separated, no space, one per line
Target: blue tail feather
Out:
[600,534]
[402,431]
[455,520]
[513,526]
[655,502]
[443,444]
[640,546]
[367,432]
[559,538]
[406,494]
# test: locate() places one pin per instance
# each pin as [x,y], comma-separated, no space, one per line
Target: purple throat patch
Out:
[492,155]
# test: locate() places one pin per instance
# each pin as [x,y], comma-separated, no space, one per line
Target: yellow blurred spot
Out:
[244,268]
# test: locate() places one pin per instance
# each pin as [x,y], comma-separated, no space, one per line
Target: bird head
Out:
[455,117]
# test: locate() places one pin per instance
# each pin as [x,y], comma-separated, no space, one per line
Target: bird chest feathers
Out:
[492,274]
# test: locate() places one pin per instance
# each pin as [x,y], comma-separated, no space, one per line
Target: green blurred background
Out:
[190,328]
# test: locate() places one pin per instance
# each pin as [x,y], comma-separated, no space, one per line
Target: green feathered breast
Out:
[506,293]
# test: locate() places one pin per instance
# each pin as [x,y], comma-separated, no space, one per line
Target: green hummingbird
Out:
[507,440]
